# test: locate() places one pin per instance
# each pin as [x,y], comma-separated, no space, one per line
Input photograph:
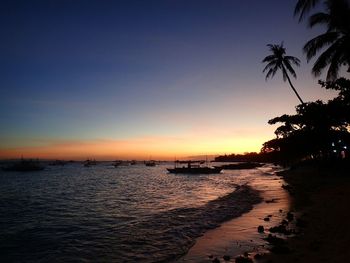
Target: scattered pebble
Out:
[258,256]
[266,219]
[286,187]
[273,240]
[242,259]
[261,229]
[226,258]
[280,229]
[284,222]
[216,260]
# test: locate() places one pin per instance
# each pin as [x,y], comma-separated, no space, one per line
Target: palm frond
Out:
[289,68]
[303,7]
[270,65]
[334,66]
[317,43]
[269,58]
[293,60]
[271,73]
[319,19]
[323,60]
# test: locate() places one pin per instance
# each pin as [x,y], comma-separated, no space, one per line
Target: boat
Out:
[150,163]
[24,166]
[89,162]
[118,163]
[194,168]
[240,166]
[58,163]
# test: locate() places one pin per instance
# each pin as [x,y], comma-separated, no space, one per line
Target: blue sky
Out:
[124,70]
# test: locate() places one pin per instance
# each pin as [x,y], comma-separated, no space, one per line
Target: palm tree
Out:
[303,7]
[279,61]
[335,41]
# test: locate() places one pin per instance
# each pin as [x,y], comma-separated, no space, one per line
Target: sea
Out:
[132,213]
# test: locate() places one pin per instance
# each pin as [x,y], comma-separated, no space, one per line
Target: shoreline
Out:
[239,235]
[316,223]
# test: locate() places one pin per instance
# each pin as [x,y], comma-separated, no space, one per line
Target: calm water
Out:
[125,214]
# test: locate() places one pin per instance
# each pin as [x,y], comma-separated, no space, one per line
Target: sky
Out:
[144,79]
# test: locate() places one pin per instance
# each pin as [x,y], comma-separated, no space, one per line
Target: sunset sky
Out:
[134,79]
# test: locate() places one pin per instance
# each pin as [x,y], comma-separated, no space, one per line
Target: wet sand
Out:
[240,235]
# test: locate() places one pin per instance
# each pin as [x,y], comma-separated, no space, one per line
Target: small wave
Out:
[177,229]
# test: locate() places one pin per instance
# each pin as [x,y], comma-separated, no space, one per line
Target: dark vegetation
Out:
[319,131]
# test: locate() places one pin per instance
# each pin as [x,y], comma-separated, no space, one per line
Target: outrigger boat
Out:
[194,168]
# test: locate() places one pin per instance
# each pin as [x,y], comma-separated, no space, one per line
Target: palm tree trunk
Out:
[291,85]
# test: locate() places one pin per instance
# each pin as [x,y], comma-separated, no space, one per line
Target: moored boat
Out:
[194,169]
[240,166]
[89,162]
[24,166]
[150,163]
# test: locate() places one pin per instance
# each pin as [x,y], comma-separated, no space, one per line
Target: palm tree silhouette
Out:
[279,61]
[303,7]
[336,39]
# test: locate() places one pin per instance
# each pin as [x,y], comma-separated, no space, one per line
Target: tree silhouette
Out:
[279,61]
[336,39]
[303,7]
[317,129]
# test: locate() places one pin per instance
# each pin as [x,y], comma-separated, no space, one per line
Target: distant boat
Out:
[58,163]
[89,162]
[194,169]
[120,163]
[24,166]
[150,163]
[240,166]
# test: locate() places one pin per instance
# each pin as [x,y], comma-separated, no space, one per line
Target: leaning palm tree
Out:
[335,41]
[279,61]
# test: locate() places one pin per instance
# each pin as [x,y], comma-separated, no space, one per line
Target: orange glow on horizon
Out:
[162,148]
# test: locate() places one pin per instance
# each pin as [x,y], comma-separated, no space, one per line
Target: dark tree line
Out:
[318,130]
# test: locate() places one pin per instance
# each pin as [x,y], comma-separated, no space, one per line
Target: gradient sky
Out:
[134,79]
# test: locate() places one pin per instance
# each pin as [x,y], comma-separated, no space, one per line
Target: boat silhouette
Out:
[194,167]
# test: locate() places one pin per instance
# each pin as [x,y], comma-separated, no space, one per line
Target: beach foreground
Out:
[316,210]
[239,235]
[321,196]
